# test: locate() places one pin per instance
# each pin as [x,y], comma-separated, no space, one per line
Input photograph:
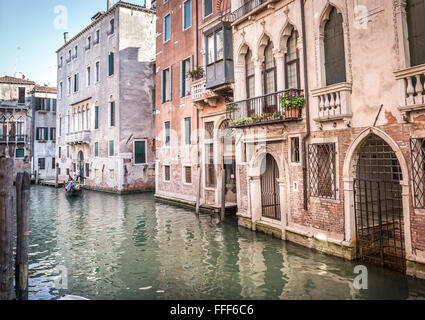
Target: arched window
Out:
[334,49]
[416,26]
[3,128]
[12,127]
[292,62]
[20,128]
[269,74]
[250,75]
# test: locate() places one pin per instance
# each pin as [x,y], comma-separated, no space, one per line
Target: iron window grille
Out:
[322,170]
[417,149]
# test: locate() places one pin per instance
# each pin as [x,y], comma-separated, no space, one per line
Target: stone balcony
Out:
[201,95]
[411,89]
[250,9]
[81,137]
[333,102]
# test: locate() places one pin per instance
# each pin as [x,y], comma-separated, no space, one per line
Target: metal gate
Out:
[270,199]
[378,206]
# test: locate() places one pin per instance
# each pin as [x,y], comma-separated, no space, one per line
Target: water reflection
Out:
[129,247]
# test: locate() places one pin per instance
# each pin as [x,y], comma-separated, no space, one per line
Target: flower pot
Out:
[292,113]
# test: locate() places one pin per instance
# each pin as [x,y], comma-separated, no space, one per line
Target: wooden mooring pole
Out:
[23,183]
[57,176]
[223,193]
[6,236]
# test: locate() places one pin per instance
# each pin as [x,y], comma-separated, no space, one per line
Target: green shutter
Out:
[47,102]
[37,134]
[46,134]
[96,117]
[111,148]
[139,152]
[96,149]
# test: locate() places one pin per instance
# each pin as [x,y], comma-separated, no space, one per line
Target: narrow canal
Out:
[130,247]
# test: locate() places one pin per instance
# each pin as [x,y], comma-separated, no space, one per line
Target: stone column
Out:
[240,87]
[280,69]
[283,205]
[350,224]
[258,71]
[255,186]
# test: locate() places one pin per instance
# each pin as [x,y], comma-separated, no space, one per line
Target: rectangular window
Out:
[76,82]
[210,49]
[188,131]
[19,153]
[88,76]
[88,43]
[112,110]
[75,52]
[322,170]
[60,90]
[96,117]
[167,133]
[96,41]
[69,85]
[53,134]
[295,149]
[187,14]
[110,64]
[210,168]
[69,55]
[167,31]
[42,134]
[60,153]
[87,170]
[185,79]
[417,150]
[188,174]
[54,105]
[139,152]
[215,46]
[166,85]
[21,92]
[111,148]
[112,26]
[41,163]
[67,152]
[47,103]
[96,149]
[53,163]
[97,71]
[208,7]
[167,174]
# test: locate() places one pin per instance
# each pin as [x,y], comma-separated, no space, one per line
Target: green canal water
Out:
[131,247]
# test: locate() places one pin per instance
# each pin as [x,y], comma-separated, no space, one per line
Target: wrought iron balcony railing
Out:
[247,7]
[266,109]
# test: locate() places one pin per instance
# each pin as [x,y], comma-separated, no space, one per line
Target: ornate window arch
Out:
[292,60]
[249,74]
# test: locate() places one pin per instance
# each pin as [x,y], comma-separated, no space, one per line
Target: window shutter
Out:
[46,134]
[334,49]
[416,26]
[191,63]
[47,104]
[112,63]
[171,84]
[162,87]
[37,134]
[182,78]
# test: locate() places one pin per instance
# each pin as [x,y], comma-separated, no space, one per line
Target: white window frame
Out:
[166,165]
[109,145]
[290,137]
[163,28]
[203,9]
[134,152]
[183,28]
[184,174]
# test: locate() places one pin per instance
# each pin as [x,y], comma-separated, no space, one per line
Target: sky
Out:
[32,30]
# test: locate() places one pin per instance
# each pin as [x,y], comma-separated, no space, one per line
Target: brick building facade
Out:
[355,186]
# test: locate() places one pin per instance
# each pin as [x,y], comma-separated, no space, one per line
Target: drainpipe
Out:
[307,108]
[198,195]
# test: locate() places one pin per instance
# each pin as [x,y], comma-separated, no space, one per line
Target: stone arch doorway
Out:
[378,204]
[270,195]
[80,165]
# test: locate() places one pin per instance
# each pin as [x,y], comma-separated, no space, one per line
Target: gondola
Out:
[74,192]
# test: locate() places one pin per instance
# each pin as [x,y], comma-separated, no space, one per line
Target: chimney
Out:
[148,4]
[65,37]
[108,6]
[19,75]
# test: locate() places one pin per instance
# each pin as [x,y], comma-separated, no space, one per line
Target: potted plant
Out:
[196,74]
[293,103]
[277,115]
[242,121]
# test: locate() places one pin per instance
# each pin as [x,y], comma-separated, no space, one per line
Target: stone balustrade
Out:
[411,88]
[81,137]
[333,102]
[200,92]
